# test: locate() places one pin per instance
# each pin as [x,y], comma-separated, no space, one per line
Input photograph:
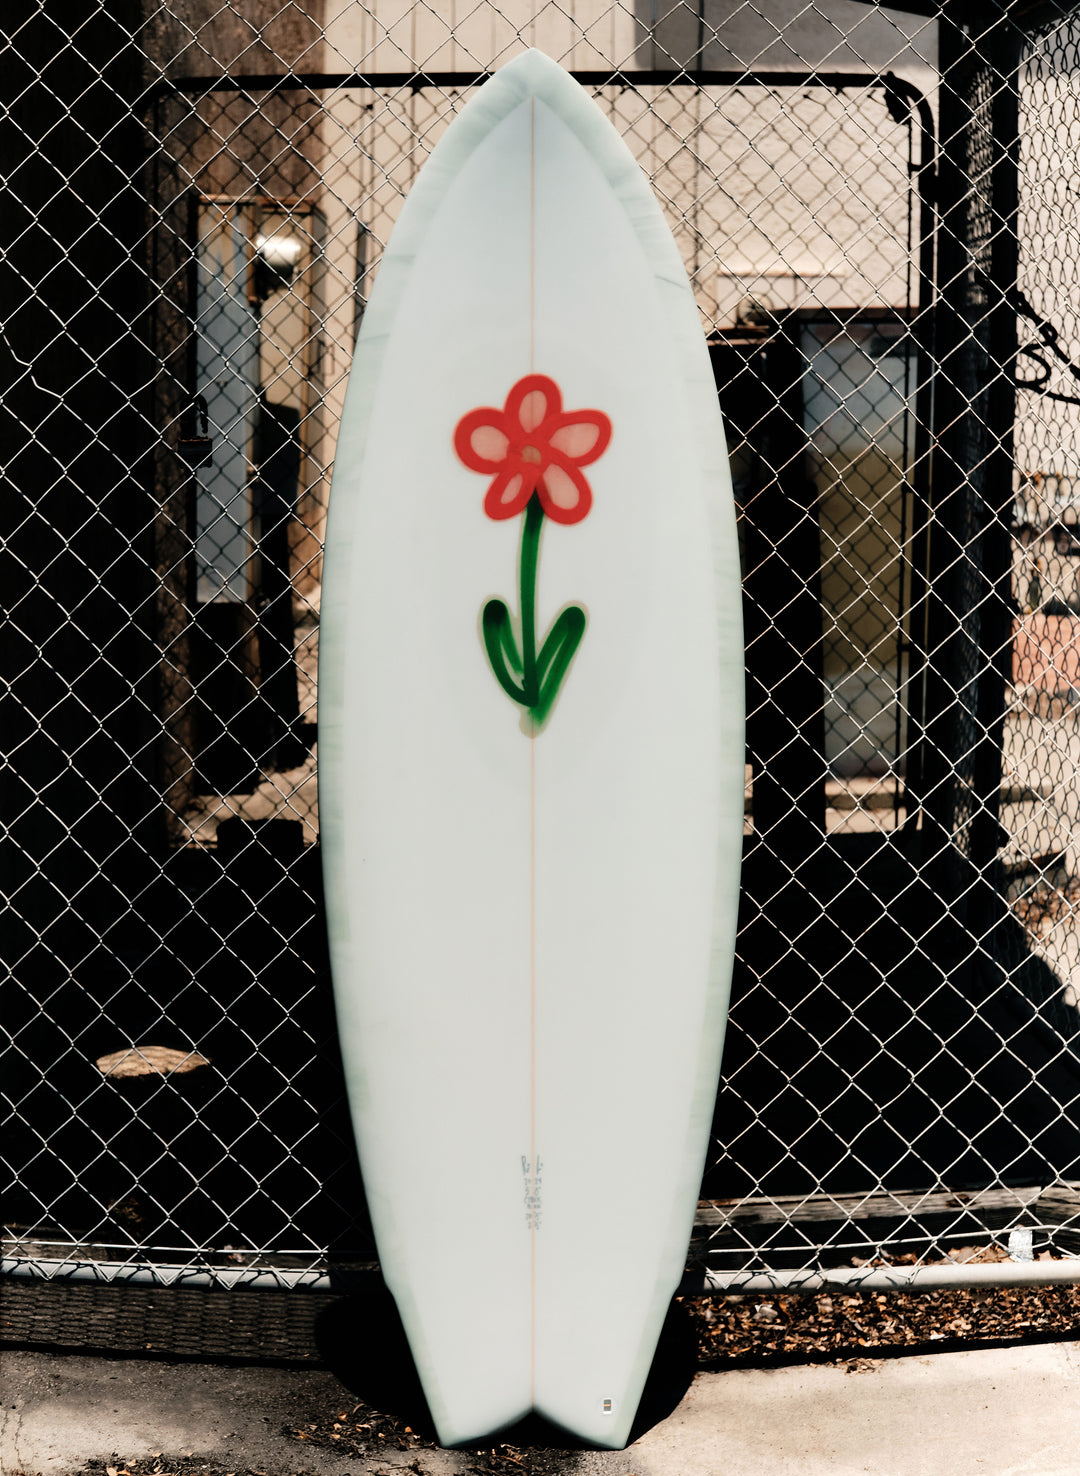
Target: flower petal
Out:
[533,400]
[489,443]
[564,492]
[583,436]
[509,492]
[533,410]
[481,439]
[512,491]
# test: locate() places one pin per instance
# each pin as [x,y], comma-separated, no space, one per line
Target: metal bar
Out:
[899,797]
[702,1283]
[652,77]
[996,613]
[926,351]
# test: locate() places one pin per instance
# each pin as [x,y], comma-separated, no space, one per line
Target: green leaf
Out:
[502,649]
[557,652]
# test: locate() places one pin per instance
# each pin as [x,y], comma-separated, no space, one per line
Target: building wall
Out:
[782,199]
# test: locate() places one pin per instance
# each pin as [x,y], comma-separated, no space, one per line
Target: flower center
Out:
[531,454]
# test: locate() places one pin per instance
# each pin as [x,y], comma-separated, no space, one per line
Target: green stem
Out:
[541,673]
[530,555]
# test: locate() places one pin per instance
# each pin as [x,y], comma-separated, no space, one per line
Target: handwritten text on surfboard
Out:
[534,451]
[533,1177]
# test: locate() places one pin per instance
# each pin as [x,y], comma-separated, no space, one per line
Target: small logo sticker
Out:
[608,1406]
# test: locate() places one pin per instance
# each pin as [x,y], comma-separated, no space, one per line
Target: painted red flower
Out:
[533,445]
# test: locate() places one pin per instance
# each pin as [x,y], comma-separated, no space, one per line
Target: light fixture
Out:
[276,258]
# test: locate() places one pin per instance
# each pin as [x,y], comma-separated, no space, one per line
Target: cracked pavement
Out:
[999,1411]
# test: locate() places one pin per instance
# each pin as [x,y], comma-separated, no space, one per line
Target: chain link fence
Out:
[877,212]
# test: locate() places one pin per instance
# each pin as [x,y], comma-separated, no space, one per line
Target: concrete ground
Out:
[997,1412]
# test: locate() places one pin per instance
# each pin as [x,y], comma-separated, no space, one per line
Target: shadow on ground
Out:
[360,1338]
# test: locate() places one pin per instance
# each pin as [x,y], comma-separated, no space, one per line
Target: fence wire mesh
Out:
[878,215]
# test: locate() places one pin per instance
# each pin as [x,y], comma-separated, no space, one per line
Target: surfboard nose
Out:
[534,72]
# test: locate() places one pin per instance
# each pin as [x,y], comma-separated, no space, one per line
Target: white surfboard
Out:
[531,761]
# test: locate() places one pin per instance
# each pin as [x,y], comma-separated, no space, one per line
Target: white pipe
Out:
[951,1275]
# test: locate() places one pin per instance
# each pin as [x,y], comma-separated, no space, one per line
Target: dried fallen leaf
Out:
[149,1061]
